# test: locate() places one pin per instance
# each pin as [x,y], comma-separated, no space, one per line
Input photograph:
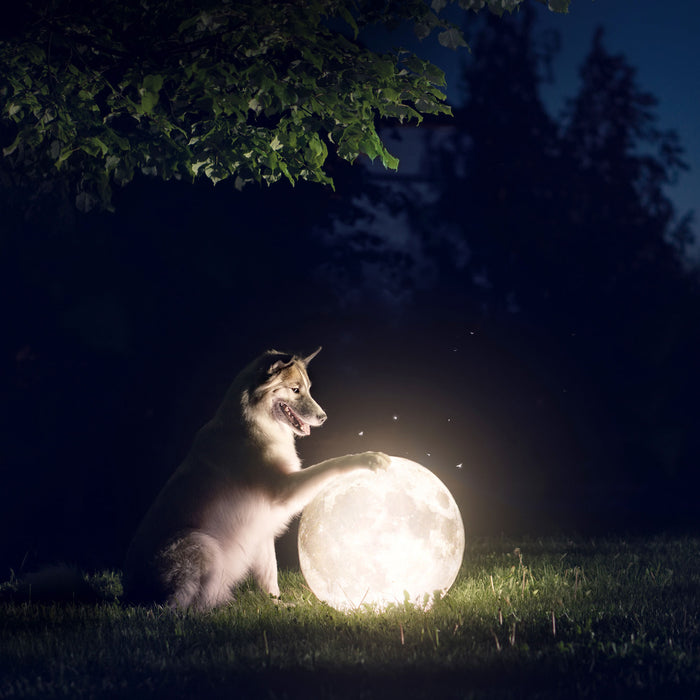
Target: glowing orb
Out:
[382,537]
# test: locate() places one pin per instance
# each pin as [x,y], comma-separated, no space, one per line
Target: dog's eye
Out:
[295,389]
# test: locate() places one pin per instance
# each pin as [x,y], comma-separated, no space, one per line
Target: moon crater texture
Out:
[376,538]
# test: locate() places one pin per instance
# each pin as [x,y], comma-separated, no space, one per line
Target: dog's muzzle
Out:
[301,427]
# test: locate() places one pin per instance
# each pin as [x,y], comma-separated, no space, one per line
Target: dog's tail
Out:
[61,584]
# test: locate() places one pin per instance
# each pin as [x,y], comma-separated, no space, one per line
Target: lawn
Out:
[529,618]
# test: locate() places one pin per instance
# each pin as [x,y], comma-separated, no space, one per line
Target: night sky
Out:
[535,347]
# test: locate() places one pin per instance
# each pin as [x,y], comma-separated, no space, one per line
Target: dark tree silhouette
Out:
[510,165]
[637,296]
[573,240]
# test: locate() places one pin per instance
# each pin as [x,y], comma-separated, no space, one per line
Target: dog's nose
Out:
[321,417]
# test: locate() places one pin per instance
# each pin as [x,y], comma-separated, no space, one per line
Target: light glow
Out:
[376,538]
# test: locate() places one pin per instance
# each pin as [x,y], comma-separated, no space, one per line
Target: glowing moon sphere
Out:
[381,537]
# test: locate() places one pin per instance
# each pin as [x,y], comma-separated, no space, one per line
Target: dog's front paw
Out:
[375,460]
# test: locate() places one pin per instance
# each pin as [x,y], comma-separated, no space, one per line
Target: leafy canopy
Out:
[256,91]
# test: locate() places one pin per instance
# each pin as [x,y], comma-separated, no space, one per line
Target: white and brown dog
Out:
[216,520]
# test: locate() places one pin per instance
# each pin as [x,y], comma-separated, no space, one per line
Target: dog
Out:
[216,520]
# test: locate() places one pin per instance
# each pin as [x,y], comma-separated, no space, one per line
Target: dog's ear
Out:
[308,359]
[280,364]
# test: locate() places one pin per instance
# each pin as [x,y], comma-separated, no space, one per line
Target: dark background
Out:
[518,310]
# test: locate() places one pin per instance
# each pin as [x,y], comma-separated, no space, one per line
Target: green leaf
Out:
[153,83]
[401,112]
[434,74]
[316,151]
[313,58]
[389,161]
[63,156]
[371,145]
[149,91]
[559,6]
[384,68]
[452,38]
[93,146]
[13,109]
[285,171]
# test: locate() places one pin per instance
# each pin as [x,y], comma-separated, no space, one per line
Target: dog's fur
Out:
[216,519]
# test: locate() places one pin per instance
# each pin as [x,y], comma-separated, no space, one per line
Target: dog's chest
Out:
[247,517]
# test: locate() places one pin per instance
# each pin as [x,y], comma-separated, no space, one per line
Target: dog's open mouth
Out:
[298,425]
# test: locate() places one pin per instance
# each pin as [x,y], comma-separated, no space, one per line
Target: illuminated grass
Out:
[529,618]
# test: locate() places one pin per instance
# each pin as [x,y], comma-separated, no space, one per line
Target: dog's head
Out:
[284,392]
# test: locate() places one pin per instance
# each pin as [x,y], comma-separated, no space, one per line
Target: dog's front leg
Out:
[298,488]
[265,568]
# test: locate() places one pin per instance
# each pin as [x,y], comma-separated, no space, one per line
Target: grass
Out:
[534,618]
